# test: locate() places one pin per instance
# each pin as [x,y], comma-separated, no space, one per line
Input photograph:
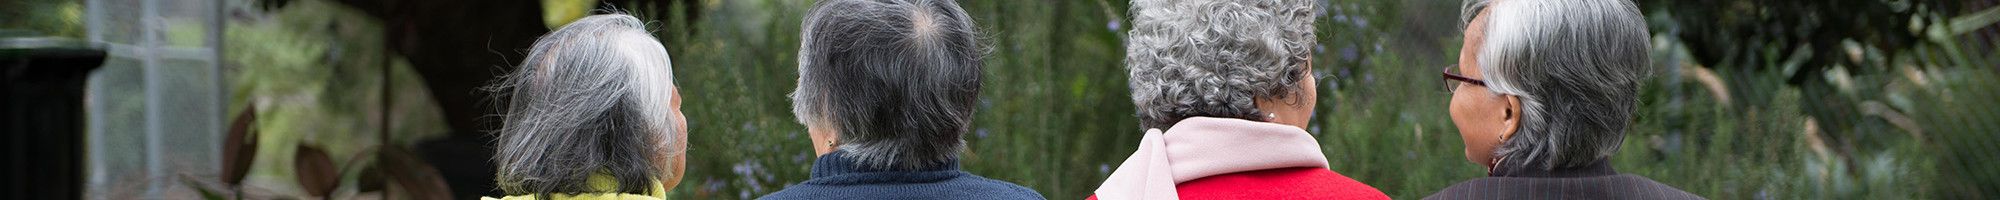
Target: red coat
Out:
[1284,183]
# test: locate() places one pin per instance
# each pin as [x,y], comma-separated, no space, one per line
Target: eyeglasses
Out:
[1451,74]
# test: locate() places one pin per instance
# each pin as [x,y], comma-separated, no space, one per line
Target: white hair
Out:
[590,97]
[1575,65]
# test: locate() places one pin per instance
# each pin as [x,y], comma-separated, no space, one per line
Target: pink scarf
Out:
[1199,147]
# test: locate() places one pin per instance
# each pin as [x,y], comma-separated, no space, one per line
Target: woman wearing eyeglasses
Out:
[1542,94]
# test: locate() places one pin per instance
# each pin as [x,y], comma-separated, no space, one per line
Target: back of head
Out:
[1576,66]
[896,78]
[591,97]
[1215,58]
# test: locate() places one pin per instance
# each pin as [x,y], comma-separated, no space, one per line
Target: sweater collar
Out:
[1600,167]
[836,164]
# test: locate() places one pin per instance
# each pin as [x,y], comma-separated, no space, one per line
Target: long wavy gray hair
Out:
[591,97]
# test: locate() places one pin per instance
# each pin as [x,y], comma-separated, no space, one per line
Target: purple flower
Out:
[1114,25]
[711,185]
[742,168]
[1349,53]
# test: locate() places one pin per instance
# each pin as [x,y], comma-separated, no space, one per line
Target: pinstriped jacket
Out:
[1594,181]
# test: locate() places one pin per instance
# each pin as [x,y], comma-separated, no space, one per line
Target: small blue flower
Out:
[711,185]
[742,168]
[1114,25]
[1349,53]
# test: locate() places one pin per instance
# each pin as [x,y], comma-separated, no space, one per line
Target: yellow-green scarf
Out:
[599,182]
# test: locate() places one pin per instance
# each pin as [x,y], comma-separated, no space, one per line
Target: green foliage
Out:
[315,73]
[63,18]
[1055,115]
[1054,94]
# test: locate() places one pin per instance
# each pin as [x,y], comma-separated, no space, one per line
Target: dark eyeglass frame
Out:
[1449,77]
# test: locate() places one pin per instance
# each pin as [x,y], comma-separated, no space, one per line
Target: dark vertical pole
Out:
[42,115]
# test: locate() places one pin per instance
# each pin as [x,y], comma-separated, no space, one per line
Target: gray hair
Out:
[1215,58]
[591,97]
[1575,65]
[897,78]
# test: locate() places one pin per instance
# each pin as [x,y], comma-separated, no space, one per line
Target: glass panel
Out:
[117,103]
[156,106]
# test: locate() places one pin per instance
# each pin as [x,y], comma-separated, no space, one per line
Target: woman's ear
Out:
[824,138]
[1510,123]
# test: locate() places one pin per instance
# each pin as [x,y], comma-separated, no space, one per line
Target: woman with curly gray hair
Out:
[1224,88]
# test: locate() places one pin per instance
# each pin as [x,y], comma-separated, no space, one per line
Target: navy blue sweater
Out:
[836,177]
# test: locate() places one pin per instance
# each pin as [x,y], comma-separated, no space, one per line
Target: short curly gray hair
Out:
[1214,58]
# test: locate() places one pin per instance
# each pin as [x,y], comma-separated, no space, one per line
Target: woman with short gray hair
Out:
[1542,94]
[886,91]
[592,113]
[1224,88]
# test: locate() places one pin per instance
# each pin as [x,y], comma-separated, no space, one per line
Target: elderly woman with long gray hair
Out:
[886,91]
[592,114]
[1542,94]
[1225,88]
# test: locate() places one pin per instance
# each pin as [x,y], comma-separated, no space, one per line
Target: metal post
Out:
[94,30]
[221,98]
[156,171]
